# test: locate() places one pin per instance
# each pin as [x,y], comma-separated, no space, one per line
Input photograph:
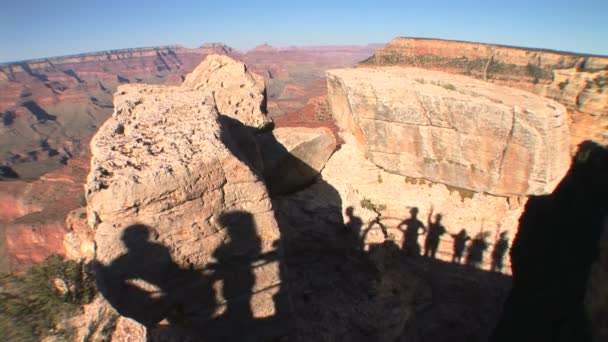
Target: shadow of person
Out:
[146,285]
[412,229]
[498,253]
[476,250]
[435,230]
[352,228]
[460,241]
[234,267]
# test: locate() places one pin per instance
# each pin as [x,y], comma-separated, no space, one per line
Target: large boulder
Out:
[453,129]
[175,211]
[238,93]
[294,156]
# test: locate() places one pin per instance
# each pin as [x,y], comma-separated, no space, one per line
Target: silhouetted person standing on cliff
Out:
[499,251]
[411,232]
[460,241]
[476,249]
[431,243]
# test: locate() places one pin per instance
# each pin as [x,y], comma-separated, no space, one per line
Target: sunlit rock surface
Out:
[453,129]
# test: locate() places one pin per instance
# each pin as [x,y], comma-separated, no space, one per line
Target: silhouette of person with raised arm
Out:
[235,260]
[476,250]
[352,227]
[499,251]
[435,230]
[460,241]
[121,281]
[411,232]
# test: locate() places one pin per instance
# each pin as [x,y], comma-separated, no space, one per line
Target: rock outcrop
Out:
[453,129]
[237,92]
[294,156]
[167,192]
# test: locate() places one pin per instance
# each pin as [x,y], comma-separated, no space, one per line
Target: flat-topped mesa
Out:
[167,192]
[453,129]
[237,92]
[580,82]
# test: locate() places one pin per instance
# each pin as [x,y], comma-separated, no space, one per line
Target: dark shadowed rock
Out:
[294,156]
[553,297]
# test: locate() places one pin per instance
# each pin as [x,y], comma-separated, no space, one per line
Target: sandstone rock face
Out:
[452,129]
[237,92]
[294,156]
[163,162]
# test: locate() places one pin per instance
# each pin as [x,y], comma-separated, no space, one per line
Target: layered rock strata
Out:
[453,129]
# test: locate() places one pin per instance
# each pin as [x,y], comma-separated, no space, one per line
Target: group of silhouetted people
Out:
[412,227]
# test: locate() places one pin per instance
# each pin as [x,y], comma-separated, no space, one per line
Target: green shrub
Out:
[368,204]
[449,86]
[32,304]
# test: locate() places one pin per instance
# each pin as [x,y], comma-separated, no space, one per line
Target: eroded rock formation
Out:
[170,200]
[452,129]
[237,92]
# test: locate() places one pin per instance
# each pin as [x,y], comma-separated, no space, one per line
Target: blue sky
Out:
[44,28]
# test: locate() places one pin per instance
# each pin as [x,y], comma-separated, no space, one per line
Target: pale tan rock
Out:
[453,129]
[161,161]
[294,156]
[237,92]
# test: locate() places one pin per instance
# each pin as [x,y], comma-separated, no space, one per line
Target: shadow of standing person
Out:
[476,249]
[435,230]
[234,269]
[498,253]
[460,241]
[352,227]
[412,229]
